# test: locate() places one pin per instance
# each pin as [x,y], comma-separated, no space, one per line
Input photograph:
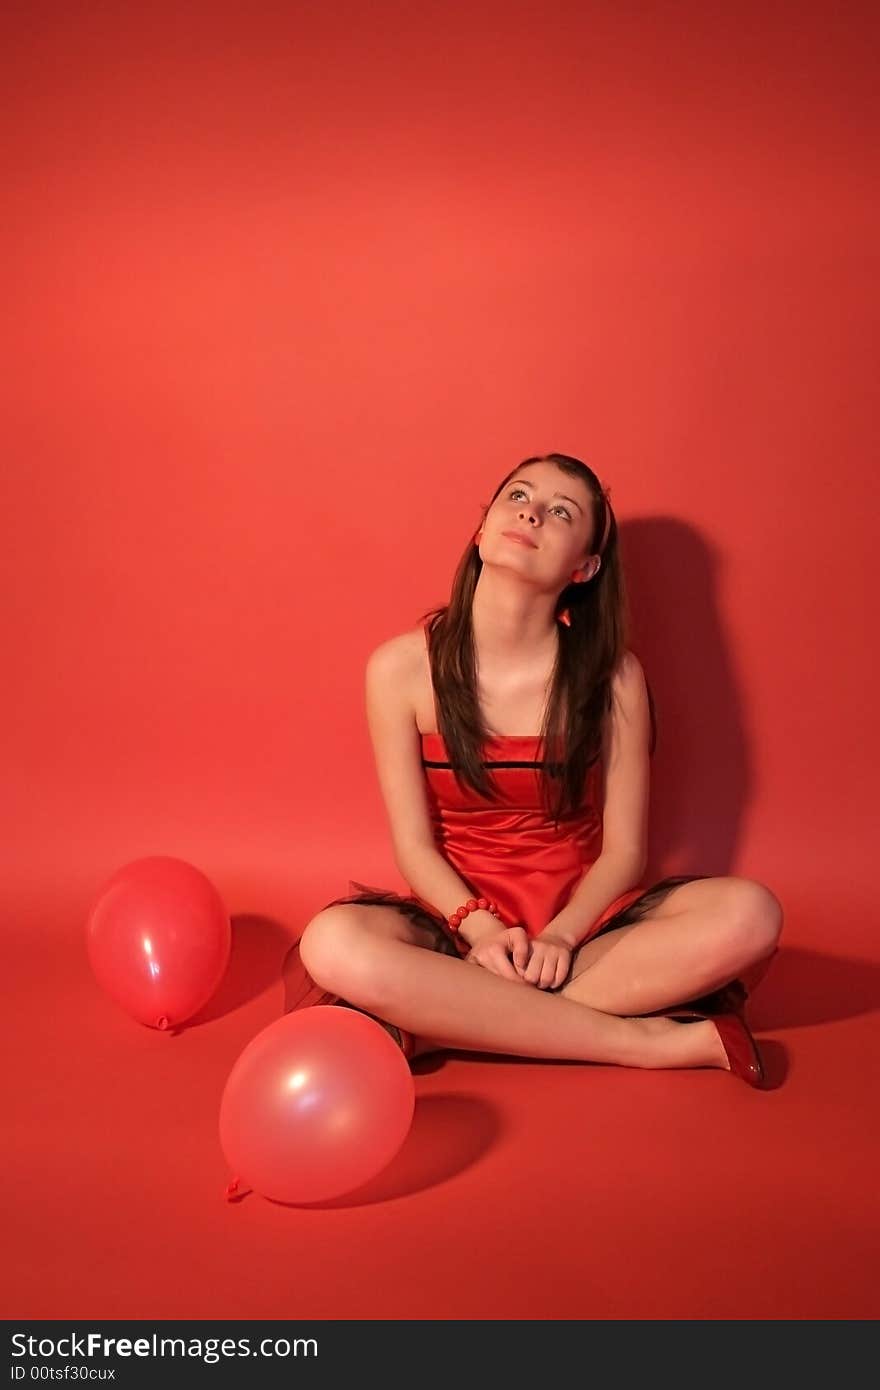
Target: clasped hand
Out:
[543,961]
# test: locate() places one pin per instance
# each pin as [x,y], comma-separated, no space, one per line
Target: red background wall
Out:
[291,287]
[294,287]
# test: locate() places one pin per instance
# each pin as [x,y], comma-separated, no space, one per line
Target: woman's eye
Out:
[560,507]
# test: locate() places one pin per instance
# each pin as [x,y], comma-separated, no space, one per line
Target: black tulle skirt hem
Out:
[301,991]
[445,940]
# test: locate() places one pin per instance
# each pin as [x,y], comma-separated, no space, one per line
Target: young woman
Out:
[512,732]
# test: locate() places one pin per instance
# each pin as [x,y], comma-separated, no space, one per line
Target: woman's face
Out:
[549,508]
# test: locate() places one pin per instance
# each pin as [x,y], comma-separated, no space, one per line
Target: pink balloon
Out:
[317,1104]
[159,938]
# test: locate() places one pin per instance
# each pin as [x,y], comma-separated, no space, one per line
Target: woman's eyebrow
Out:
[526,483]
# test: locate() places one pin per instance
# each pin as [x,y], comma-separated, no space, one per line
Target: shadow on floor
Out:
[805,987]
[259,945]
[450,1133]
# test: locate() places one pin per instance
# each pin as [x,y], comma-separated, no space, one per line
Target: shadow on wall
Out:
[702,772]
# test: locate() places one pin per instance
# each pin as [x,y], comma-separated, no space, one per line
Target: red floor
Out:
[525,1190]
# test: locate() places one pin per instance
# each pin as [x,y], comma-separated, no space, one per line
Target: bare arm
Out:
[397,751]
[605,880]
[434,880]
[626,790]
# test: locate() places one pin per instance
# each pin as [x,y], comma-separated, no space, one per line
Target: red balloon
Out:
[317,1104]
[159,939]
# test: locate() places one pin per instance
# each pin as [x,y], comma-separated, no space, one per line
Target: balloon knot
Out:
[232,1187]
[161,1021]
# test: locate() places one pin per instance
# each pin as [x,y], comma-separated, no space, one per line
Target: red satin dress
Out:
[509,850]
[506,850]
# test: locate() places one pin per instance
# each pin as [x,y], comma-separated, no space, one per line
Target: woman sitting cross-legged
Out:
[513,732]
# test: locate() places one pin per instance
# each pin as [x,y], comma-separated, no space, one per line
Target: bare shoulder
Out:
[629,676]
[629,693]
[393,666]
[398,654]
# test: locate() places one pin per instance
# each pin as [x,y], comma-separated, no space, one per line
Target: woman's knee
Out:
[337,946]
[756,916]
[329,947]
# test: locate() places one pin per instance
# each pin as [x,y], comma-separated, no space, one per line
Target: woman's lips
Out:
[520,538]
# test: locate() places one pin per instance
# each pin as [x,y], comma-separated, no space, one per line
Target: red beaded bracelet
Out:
[457,917]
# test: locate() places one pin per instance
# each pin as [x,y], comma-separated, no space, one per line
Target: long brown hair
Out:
[580,691]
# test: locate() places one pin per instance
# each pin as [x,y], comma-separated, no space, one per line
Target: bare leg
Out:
[707,933]
[368,956]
